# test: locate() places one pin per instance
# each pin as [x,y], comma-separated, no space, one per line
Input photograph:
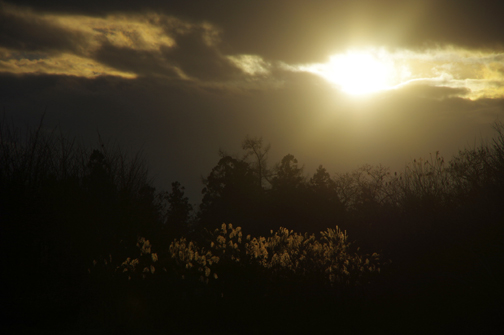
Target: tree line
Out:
[79,227]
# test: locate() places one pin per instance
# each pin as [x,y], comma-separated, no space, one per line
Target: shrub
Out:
[283,255]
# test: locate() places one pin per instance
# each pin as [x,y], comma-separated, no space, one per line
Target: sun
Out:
[358,72]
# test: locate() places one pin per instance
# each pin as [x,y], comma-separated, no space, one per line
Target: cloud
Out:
[427,89]
[197,55]
[59,64]
[251,64]
[297,31]
[470,74]
[118,44]
[139,62]
[148,43]
[479,72]
[25,31]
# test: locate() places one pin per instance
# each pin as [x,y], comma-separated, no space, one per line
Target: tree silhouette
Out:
[254,148]
[99,181]
[179,211]
[325,206]
[230,194]
[288,176]
[288,197]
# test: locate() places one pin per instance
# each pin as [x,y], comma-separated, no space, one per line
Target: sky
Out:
[337,83]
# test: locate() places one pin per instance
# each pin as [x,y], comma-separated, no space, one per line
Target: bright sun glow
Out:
[357,72]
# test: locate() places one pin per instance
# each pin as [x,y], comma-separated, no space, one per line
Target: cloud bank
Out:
[152,44]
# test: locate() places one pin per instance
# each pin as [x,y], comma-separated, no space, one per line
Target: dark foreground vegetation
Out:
[89,246]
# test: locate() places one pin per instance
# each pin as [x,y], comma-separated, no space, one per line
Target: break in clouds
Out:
[156,45]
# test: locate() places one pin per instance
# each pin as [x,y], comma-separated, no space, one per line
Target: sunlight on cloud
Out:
[156,44]
[366,71]
[480,72]
[135,32]
[250,64]
[62,64]
[147,32]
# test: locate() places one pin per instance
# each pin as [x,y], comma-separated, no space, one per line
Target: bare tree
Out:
[254,147]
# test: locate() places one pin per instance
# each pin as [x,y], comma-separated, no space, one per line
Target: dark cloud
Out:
[302,31]
[198,59]
[141,62]
[25,32]
[191,54]
[187,49]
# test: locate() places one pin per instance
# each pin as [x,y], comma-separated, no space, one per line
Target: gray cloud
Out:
[146,44]
[198,59]
[142,62]
[301,31]
[27,32]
